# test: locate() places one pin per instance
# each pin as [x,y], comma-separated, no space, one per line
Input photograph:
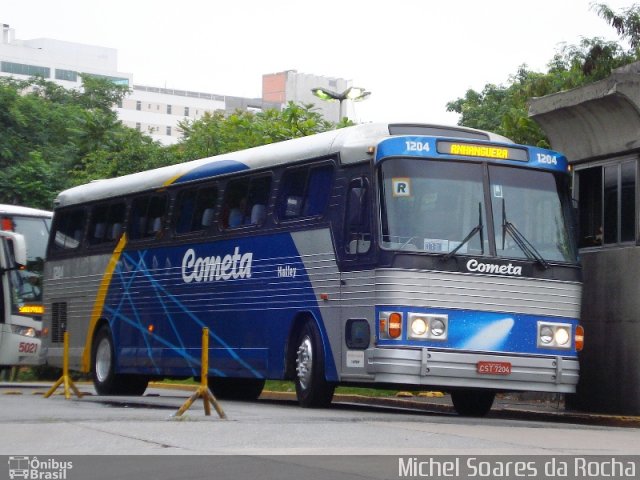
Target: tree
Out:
[626,22]
[215,134]
[504,108]
[126,151]
[50,138]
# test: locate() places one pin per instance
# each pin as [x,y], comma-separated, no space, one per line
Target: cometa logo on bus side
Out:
[209,269]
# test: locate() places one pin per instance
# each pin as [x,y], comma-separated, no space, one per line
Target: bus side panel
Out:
[317,253]
[247,291]
[358,298]
[72,287]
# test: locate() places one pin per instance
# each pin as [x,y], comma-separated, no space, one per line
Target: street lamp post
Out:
[355,94]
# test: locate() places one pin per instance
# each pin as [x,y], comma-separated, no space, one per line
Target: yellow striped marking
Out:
[99,303]
[173,179]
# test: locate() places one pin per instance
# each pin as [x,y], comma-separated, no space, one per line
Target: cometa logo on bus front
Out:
[474,265]
[209,269]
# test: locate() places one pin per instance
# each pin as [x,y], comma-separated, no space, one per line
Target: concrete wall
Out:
[610,361]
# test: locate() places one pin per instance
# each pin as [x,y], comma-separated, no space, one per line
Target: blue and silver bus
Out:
[389,255]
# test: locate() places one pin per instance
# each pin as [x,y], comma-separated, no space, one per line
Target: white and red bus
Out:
[23,239]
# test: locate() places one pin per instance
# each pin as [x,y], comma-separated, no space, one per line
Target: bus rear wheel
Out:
[312,388]
[105,380]
[236,388]
[472,403]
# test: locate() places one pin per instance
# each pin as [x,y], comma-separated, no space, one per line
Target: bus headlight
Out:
[438,327]
[562,336]
[546,335]
[24,331]
[419,327]
[427,326]
[554,335]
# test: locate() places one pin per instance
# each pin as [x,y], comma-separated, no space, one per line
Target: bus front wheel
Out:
[105,380]
[472,403]
[312,388]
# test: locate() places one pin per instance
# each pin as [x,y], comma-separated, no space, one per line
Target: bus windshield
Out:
[439,207]
[535,203]
[36,232]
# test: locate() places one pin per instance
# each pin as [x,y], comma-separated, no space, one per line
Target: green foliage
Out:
[121,151]
[626,23]
[215,134]
[45,132]
[504,108]
[52,138]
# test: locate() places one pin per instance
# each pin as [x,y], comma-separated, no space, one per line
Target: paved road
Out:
[146,426]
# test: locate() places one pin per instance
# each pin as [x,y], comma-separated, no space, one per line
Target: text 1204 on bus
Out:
[403,255]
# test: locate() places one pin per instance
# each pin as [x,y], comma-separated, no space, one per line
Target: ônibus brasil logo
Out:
[38,469]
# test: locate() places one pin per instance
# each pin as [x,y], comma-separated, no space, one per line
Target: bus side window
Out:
[115,220]
[205,206]
[138,221]
[106,223]
[259,193]
[245,202]
[147,217]
[358,225]
[195,209]
[184,211]
[235,203]
[305,192]
[292,193]
[68,230]
[98,225]
[318,190]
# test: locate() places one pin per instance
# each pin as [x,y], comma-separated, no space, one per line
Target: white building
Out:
[158,111]
[291,86]
[155,111]
[57,61]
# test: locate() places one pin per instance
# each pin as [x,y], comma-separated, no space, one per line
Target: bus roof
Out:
[6,209]
[351,143]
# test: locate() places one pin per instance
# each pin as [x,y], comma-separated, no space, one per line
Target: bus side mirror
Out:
[17,247]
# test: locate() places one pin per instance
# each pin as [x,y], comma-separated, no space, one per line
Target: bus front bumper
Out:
[446,369]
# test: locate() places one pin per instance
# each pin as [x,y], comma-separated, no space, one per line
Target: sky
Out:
[414,56]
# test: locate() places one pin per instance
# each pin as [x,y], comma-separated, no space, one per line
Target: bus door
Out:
[20,342]
[357,277]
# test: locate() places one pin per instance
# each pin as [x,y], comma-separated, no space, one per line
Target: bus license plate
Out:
[493,368]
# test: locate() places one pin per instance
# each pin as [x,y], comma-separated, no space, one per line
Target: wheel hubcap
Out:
[304,362]
[103,360]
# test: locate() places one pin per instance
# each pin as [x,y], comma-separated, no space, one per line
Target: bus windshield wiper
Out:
[474,230]
[525,245]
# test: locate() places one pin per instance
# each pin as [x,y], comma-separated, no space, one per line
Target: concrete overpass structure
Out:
[598,127]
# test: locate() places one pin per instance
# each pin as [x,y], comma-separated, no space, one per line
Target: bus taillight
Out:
[395,325]
[579,338]
[7,224]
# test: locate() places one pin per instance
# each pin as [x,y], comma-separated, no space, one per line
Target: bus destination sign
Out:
[482,150]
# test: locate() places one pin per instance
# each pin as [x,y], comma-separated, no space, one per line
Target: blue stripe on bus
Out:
[212,169]
[172,290]
[469,330]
